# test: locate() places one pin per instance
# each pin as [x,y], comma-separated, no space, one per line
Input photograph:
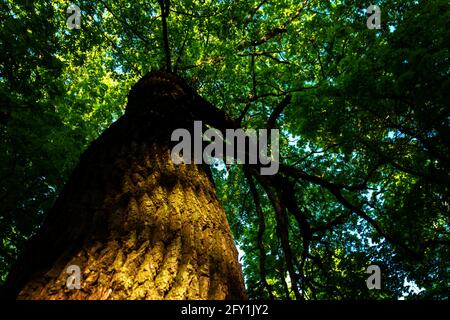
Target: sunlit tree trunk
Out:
[137,225]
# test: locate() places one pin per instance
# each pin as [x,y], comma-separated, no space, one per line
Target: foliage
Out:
[369,113]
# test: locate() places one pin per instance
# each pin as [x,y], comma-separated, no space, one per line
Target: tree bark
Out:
[138,226]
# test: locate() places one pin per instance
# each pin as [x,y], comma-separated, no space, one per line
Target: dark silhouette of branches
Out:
[165,7]
[127,25]
[260,237]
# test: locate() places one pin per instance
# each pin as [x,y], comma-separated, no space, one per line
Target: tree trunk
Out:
[138,226]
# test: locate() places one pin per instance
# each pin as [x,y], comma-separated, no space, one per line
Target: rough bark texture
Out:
[138,226]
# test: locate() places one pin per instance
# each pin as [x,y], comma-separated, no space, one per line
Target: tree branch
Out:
[254,91]
[165,5]
[277,111]
[282,232]
[336,191]
[261,229]
[279,94]
[299,174]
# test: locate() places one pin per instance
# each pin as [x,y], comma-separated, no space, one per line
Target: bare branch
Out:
[277,111]
[261,229]
[282,232]
[165,5]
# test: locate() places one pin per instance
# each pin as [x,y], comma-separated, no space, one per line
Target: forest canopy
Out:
[363,115]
